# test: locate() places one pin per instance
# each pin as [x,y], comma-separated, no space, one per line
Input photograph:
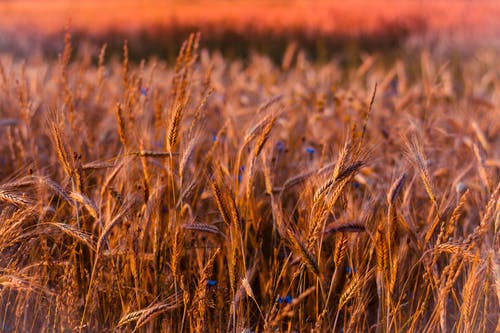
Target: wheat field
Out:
[211,195]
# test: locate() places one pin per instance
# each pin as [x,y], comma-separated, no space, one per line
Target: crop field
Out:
[249,195]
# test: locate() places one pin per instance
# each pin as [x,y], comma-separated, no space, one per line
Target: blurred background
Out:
[238,27]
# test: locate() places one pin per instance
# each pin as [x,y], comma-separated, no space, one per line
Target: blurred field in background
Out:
[351,17]
[235,27]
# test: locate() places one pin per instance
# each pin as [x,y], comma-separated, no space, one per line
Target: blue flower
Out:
[280,146]
[214,138]
[310,150]
[287,299]
[144,91]
[221,97]
[350,270]
[242,168]
[211,283]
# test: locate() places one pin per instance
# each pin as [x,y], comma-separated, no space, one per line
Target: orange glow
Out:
[353,16]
